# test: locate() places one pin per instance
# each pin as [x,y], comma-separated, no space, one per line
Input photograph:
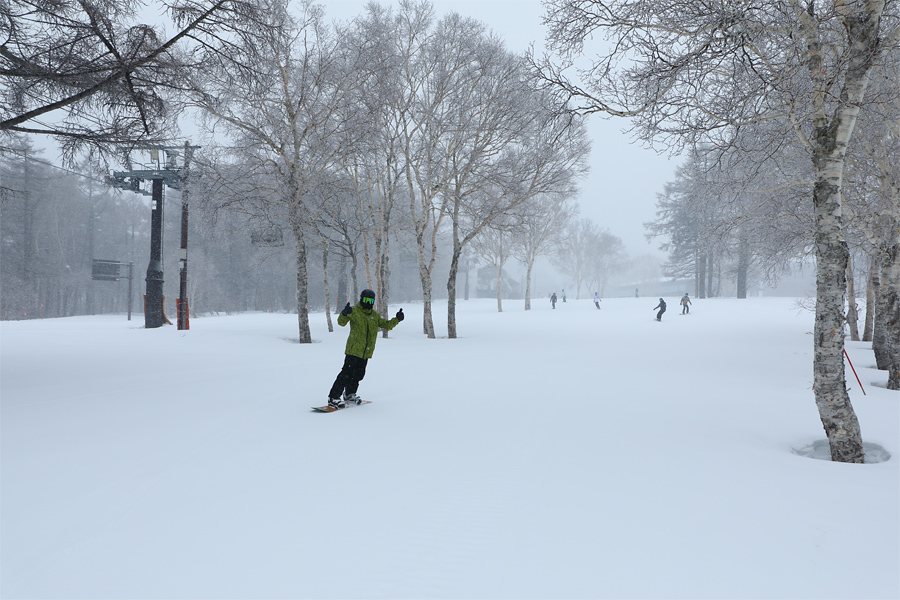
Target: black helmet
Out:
[367,298]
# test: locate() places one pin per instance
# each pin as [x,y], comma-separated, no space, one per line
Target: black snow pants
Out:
[351,374]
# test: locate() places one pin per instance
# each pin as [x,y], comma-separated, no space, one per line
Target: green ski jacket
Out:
[364,326]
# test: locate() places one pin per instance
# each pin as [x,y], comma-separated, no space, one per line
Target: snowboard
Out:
[330,409]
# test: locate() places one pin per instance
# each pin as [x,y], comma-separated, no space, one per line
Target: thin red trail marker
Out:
[854,372]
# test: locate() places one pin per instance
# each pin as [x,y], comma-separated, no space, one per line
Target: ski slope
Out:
[567,453]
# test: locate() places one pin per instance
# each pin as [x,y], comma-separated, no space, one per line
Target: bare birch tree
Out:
[608,257]
[873,209]
[495,244]
[396,44]
[519,150]
[280,96]
[544,218]
[453,122]
[574,251]
[699,71]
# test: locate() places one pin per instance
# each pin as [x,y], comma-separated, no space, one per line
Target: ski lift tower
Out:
[171,175]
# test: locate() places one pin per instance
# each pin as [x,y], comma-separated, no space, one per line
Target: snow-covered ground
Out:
[568,453]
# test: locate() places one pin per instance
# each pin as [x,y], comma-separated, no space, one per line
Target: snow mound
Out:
[821,451]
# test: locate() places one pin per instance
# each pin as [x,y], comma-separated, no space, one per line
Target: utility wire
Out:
[26,156]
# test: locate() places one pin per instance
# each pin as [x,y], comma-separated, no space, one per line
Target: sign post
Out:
[111,270]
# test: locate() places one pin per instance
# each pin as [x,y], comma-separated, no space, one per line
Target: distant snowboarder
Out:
[662,308]
[597,300]
[564,295]
[364,326]
[686,304]
[553,300]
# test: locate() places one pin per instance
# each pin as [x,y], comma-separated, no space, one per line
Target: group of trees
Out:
[393,130]
[776,95]
[95,77]
[394,126]
[728,217]
[743,210]
[54,221]
[589,256]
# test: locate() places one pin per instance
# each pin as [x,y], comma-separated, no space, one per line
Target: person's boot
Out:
[352,398]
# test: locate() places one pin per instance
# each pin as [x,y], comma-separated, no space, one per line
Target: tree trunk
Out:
[451,290]
[379,271]
[701,275]
[427,316]
[425,277]
[367,263]
[500,289]
[871,293]
[833,402]
[354,290]
[325,278]
[891,290]
[384,289]
[880,339]
[852,316]
[342,295]
[451,280]
[832,136]
[886,336]
[742,268]
[528,283]
[302,282]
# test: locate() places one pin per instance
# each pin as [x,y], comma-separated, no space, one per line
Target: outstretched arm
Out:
[391,323]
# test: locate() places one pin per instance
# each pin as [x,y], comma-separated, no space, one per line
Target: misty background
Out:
[57,220]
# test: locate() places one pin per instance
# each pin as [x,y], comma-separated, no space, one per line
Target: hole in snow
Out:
[821,451]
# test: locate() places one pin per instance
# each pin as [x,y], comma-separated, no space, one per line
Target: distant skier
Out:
[686,304]
[564,295]
[553,300]
[364,326]
[597,300]
[662,308]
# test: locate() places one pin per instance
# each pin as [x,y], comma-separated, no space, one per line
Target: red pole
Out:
[854,372]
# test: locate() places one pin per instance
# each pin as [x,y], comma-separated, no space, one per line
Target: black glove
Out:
[399,315]
[347,310]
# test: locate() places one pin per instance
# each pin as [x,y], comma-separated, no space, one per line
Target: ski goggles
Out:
[367,301]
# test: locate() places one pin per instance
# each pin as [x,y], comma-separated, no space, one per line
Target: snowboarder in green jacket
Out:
[364,325]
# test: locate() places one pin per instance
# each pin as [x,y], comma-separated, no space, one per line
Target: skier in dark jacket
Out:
[364,325]
[662,308]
